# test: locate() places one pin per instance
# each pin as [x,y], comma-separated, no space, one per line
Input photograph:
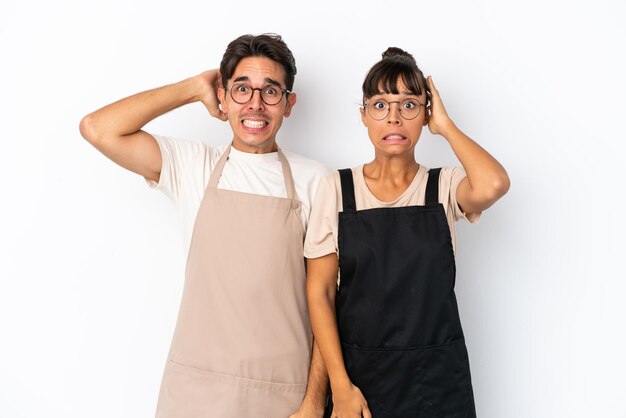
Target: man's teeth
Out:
[256,124]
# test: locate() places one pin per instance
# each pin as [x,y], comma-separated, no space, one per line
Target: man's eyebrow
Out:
[272,82]
[267,80]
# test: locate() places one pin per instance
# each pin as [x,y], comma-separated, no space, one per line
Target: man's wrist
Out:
[191,89]
[313,404]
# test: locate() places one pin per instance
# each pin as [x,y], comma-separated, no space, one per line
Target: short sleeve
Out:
[450,180]
[320,237]
[175,154]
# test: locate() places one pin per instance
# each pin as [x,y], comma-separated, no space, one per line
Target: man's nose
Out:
[256,103]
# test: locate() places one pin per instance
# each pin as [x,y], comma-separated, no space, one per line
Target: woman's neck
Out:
[388,177]
[393,168]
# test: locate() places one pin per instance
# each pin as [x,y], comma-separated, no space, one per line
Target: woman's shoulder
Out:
[451,174]
[333,179]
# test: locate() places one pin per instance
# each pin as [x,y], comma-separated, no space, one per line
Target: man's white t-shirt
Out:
[187,167]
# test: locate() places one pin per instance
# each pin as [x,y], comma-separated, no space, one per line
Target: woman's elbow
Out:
[500,186]
[489,193]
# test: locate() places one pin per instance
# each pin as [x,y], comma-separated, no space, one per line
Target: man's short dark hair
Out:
[267,45]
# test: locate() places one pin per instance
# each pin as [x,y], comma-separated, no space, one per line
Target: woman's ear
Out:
[363,116]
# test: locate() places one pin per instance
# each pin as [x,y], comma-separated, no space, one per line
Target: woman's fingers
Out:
[431,85]
[367,413]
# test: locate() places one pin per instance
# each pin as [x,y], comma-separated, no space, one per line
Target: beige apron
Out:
[242,342]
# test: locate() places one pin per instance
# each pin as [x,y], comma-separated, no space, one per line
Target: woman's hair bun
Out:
[397,53]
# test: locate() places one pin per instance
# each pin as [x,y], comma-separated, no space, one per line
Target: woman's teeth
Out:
[394,137]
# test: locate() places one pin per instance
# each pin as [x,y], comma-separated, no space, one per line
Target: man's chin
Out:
[255,144]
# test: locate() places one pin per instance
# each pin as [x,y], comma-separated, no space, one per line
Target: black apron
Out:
[397,314]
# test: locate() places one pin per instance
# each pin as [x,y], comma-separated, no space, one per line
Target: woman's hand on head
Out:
[438,120]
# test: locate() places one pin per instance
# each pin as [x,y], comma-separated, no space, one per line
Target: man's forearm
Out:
[129,115]
[317,385]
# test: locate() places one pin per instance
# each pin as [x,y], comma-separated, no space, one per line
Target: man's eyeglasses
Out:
[379,109]
[270,95]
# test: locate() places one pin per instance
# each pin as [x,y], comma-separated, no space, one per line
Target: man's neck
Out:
[255,149]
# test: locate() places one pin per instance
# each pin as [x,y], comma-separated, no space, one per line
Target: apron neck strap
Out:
[289,183]
[219,167]
[347,190]
[432,187]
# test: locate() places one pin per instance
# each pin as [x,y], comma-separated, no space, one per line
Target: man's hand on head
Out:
[209,81]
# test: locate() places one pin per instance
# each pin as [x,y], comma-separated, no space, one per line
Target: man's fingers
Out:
[219,115]
[215,111]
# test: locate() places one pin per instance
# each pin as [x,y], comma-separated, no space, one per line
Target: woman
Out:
[390,333]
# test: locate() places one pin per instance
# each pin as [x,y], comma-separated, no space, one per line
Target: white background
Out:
[91,260]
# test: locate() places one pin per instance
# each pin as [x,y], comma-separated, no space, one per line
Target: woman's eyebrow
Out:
[402,93]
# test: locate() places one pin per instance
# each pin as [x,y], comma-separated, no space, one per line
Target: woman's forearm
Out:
[488,180]
[321,291]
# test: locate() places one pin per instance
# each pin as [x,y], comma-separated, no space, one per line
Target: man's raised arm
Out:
[115,130]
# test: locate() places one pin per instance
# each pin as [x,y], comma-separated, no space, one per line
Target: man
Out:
[242,344]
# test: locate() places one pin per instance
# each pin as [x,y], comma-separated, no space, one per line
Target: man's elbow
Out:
[88,129]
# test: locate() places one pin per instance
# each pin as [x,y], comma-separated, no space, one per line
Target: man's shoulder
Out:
[189,147]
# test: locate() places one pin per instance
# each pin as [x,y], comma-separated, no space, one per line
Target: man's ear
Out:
[291,102]
[221,95]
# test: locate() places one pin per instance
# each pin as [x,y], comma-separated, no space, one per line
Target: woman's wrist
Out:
[447,129]
[340,383]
